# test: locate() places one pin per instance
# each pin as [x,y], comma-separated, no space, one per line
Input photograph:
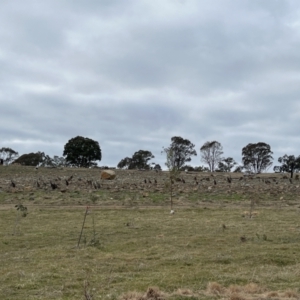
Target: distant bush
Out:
[30,159]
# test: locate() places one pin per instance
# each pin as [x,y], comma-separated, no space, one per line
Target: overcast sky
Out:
[132,74]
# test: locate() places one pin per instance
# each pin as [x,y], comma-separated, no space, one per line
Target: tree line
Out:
[85,152]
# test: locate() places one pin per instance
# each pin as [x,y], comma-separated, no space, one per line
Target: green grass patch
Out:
[138,248]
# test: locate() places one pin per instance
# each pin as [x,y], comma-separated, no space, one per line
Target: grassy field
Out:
[124,250]
[208,249]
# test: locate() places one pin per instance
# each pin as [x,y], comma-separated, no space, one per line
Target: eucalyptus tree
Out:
[179,152]
[226,164]
[289,163]
[139,160]
[257,157]
[8,155]
[211,154]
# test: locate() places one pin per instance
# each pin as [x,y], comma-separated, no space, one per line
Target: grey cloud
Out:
[133,74]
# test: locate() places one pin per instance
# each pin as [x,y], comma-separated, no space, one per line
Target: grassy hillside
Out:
[216,245]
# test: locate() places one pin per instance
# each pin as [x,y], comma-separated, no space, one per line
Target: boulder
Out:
[108,174]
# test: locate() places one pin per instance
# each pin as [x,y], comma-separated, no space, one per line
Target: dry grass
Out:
[209,250]
[129,188]
[249,291]
[138,248]
[215,291]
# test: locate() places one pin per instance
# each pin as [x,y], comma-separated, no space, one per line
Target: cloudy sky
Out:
[132,74]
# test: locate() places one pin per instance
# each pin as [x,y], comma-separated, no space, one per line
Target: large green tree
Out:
[289,163]
[211,154]
[257,157]
[82,152]
[179,152]
[139,160]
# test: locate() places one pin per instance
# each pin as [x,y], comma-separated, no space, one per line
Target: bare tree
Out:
[211,153]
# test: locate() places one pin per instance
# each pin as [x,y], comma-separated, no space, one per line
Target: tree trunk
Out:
[292,170]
